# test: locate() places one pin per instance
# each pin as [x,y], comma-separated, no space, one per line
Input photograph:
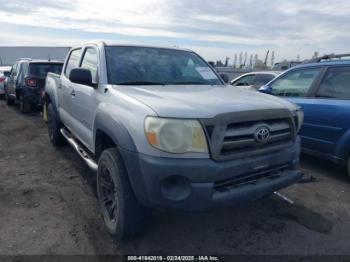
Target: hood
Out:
[201,101]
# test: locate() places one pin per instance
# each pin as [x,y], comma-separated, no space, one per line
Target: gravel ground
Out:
[47,207]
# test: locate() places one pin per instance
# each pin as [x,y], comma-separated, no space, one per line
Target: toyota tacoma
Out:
[162,130]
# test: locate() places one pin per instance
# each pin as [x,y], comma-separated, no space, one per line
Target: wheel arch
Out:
[343,147]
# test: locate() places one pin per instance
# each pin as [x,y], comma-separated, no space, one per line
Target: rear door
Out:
[330,110]
[297,86]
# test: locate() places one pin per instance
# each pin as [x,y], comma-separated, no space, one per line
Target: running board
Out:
[82,153]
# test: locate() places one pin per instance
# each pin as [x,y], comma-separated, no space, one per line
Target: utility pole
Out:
[240,59]
[266,57]
[245,58]
[272,58]
[227,59]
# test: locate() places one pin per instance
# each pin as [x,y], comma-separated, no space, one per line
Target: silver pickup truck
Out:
[162,130]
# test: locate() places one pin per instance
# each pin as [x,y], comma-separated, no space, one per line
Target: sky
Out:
[213,28]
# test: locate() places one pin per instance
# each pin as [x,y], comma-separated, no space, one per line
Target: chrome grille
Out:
[240,136]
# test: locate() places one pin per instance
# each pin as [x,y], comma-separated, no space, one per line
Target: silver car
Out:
[3,70]
[254,80]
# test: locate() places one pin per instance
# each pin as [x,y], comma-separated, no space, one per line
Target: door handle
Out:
[72,93]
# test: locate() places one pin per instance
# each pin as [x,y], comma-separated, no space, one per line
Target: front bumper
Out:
[201,184]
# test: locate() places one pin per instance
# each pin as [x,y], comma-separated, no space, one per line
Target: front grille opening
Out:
[250,178]
[239,137]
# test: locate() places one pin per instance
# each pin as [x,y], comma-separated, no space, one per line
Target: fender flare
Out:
[115,130]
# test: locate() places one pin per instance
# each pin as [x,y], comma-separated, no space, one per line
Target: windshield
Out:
[128,65]
[41,70]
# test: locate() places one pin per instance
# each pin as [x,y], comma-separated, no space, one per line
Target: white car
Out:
[254,80]
[3,70]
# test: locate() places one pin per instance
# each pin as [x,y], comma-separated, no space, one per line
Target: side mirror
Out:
[225,78]
[265,89]
[81,76]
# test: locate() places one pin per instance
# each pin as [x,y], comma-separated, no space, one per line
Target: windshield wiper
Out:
[139,83]
[190,83]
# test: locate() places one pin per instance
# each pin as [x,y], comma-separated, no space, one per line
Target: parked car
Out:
[163,131]
[4,72]
[27,80]
[254,80]
[322,89]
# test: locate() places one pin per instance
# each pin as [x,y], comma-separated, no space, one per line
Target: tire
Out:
[9,101]
[24,106]
[123,216]
[54,126]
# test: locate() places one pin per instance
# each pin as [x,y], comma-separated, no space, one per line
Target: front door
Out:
[84,102]
[296,86]
[66,94]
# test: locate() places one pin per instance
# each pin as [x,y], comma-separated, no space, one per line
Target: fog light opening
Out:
[176,188]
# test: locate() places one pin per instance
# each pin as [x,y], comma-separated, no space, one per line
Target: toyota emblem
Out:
[262,135]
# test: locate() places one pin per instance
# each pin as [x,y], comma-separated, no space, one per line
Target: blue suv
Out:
[322,89]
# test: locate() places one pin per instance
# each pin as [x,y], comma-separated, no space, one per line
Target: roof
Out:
[116,43]
[325,63]
[264,73]
[34,61]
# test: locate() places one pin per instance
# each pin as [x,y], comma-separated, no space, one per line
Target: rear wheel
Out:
[24,106]
[54,126]
[9,101]
[122,214]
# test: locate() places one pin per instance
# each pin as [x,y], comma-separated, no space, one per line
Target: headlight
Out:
[299,119]
[175,135]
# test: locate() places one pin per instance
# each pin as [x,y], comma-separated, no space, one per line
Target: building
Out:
[10,54]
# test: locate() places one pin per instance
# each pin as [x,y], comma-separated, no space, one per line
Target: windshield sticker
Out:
[206,73]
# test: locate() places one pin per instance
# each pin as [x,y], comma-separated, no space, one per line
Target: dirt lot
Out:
[47,207]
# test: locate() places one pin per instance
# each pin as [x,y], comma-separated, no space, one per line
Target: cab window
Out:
[73,61]
[262,79]
[90,62]
[296,83]
[244,81]
[335,84]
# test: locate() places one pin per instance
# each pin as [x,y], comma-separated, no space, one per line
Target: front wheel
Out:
[122,214]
